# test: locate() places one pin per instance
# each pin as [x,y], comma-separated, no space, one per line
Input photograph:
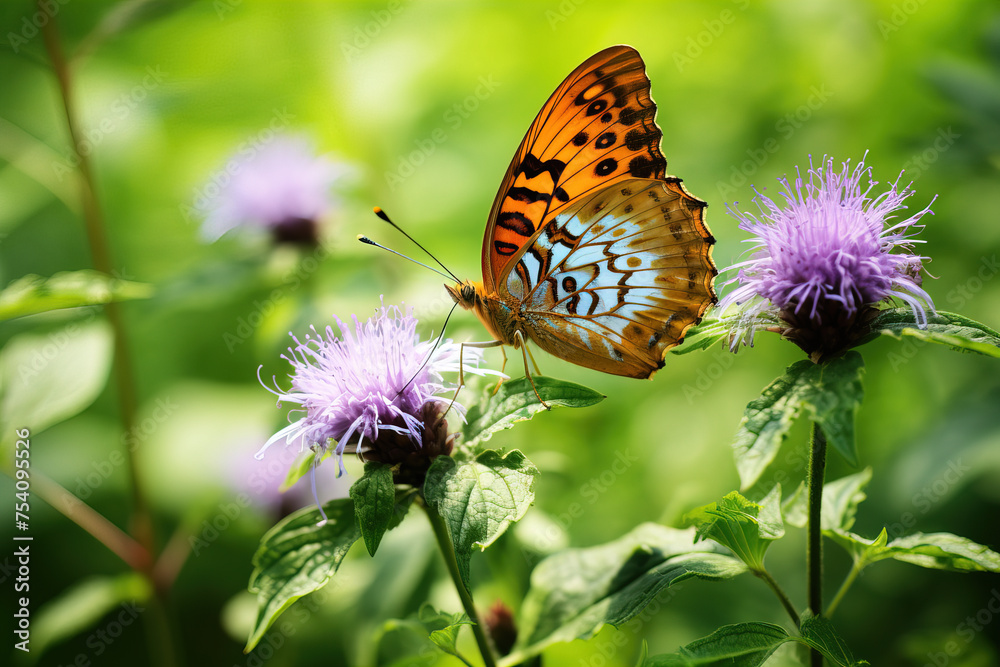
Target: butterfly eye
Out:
[468,293]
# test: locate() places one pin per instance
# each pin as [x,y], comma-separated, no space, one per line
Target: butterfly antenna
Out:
[437,344]
[382,214]
[365,239]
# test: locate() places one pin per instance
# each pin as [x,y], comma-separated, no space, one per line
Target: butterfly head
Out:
[465,294]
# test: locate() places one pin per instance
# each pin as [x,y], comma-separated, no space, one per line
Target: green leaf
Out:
[576,592]
[841,499]
[740,645]
[795,508]
[443,628]
[831,392]
[479,499]
[83,604]
[298,556]
[36,294]
[818,633]
[515,401]
[302,464]
[944,551]
[704,335]
[943,328]
[374,497]
[45,379]
[751,644]
[745,527]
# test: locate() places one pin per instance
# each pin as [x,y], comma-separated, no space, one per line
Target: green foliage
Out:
[740,645]
[479,499]
[937,551]
[704,335]
[751,644]
[956,331]
[576,592]
[831,392]
[45,379]
[443,628]
[818,633]
[744,527]
[515,401]
[374,497]
[303,463]
[82,605]
[36,294]
[298,556]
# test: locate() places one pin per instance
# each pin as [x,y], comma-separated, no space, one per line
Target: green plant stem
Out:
[785,601]
[448,551]
[848,580]
[161,644]
[814,546]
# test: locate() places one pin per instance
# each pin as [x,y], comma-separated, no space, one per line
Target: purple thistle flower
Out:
[373,390]
[823,261]
[282,187]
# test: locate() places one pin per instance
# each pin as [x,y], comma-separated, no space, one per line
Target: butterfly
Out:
[591,251]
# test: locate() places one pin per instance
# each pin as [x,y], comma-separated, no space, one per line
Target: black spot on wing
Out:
[580,139]
[606,166]
[531,167]
[516,222]
[638,139]
[561,195]
[606,118]
[643,166]
[504,248]
[605,140]
[527,195]
[596,107]
[633,116]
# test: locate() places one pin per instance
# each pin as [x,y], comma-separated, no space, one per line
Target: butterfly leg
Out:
[461,367]
[519,343]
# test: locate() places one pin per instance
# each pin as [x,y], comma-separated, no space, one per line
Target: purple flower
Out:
[281,187]
[376,391]
[822,262]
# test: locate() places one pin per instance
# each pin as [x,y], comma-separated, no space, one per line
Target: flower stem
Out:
[161,645]
[785,602]
[448,551]
[851,576]
[814,546]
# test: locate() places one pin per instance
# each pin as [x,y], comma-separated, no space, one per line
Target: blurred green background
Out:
[746,91]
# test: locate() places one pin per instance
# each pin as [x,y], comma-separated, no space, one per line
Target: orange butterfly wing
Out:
[617,277]
[597,128]
[591,251]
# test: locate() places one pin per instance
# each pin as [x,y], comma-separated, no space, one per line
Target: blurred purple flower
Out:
[373,390]
[282,187]
[822,262]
